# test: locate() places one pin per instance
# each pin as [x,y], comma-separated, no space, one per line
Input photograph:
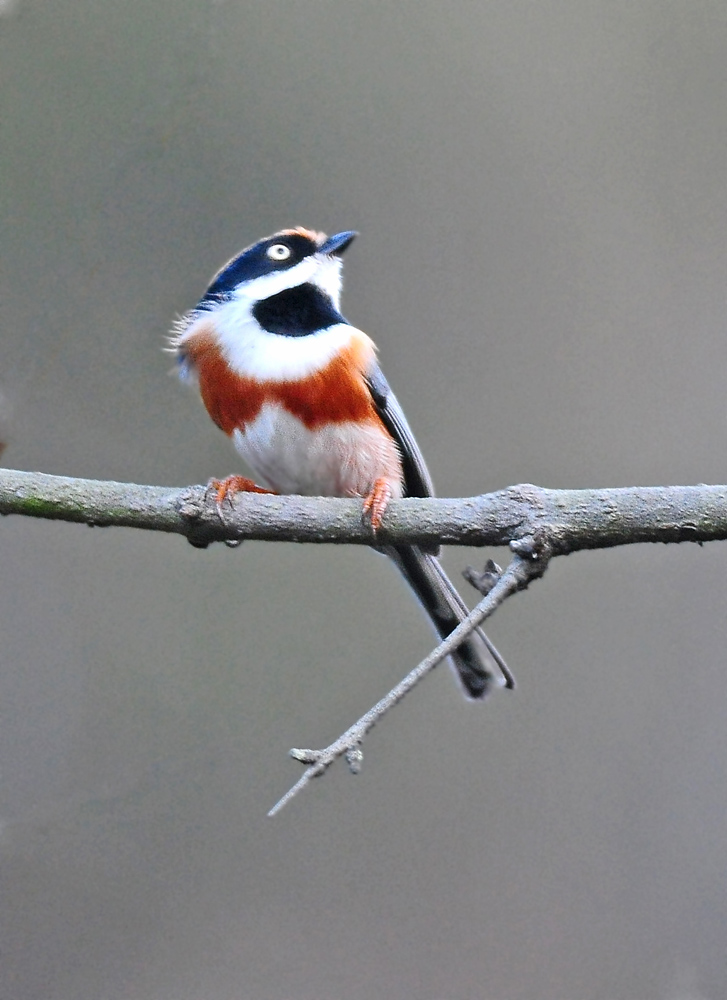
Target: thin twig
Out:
[522,569]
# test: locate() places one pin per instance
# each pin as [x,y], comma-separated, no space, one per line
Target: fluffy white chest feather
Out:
[336,459]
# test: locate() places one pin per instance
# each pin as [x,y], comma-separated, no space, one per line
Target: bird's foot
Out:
[226,489]
[376,503]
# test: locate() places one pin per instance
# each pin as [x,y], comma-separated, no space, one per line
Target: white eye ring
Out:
[278,251]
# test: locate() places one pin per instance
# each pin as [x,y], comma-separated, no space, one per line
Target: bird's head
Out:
[280,262]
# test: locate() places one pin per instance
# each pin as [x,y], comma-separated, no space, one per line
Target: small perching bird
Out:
[301,394]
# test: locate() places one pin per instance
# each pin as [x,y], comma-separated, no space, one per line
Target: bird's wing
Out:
[417,481]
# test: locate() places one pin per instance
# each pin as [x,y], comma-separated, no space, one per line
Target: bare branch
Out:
[535,523]
[516,577]
[569,519]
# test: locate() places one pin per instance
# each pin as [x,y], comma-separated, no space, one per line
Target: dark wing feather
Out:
[475,658]
[417,481]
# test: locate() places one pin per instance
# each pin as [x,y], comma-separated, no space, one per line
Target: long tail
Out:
[475,659]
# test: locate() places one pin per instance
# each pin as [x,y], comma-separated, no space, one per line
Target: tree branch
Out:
[570,519]
[535,523]
[516,577]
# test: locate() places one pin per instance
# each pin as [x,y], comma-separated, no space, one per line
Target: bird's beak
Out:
[339,242]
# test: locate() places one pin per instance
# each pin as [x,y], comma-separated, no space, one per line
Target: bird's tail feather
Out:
[476,658]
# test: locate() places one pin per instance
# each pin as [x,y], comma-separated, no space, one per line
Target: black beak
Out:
[339,242]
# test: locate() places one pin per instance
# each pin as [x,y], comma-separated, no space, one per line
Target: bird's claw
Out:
[375,504]
[227,489]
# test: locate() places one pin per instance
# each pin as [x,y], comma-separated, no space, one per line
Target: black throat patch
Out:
[297,312]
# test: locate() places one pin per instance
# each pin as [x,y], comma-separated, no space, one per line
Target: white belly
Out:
[343,459]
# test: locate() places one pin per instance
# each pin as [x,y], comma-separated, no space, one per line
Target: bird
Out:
[300,393]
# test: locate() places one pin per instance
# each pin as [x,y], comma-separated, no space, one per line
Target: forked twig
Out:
[527,564]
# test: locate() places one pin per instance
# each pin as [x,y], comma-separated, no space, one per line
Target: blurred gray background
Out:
[541,191]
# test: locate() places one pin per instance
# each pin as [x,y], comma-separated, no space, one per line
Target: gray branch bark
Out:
[535,523]
[567,520]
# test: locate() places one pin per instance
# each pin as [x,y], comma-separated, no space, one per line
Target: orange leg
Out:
[376,502]
[227,488]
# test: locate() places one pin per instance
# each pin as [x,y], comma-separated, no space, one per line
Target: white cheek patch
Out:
[277,281]
[328,277]
[318,269]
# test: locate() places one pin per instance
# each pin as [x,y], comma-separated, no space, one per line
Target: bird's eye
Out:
[278,251]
